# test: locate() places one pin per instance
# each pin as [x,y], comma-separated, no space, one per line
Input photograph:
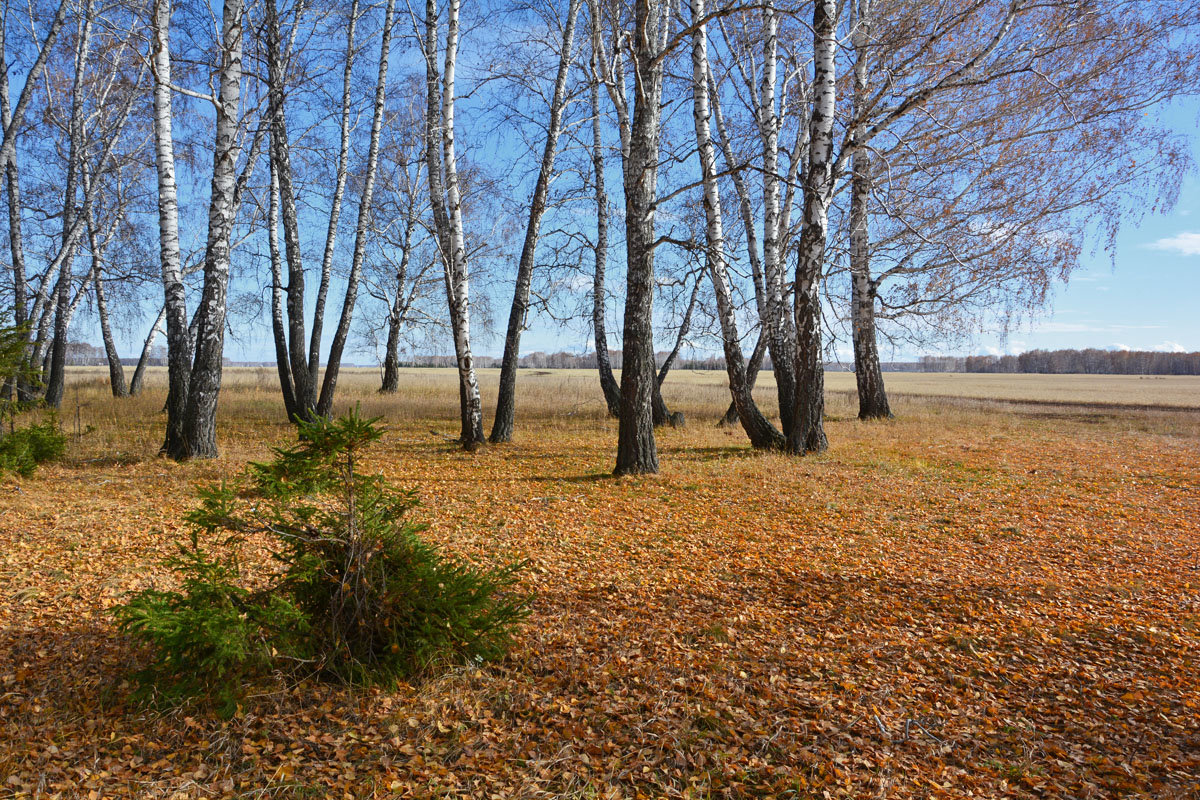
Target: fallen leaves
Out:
[981,606]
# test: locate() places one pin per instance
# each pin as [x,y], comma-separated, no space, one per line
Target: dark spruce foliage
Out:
[357,595]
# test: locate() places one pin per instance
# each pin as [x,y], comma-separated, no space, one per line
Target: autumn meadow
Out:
[975,599]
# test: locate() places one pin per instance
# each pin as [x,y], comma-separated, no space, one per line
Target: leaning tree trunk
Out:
[391,355]
[807,434]
[663,414]
[175,299]
[12,120]
[75,155]
[752,368]
[637,452]
[139,372]
[342,333]
[339,191]
[506,400]
[204,385]
[761,432]
[116,372]
[872,397]
[608,383]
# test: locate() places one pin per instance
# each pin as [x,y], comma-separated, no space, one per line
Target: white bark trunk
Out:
[446,200]
[502,425]
[174,295]
[807,434]
[761,432]
[337,347]
[204,384]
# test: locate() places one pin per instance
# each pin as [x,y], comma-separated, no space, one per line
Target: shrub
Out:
[22,449]
[356,595]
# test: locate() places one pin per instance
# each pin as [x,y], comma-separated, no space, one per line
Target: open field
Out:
[972,600]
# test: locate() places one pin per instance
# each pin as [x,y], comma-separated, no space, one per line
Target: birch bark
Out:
[868,374]
[446,201]
[174,297]
[761,432]
[502,424]
[807,433]
[204,383]
[75,155]
[139,372]
[116,372]
[637,451]
[608,383]
[338,346]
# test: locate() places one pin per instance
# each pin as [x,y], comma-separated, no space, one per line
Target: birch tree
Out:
[446,202]
[639,124]
[807,433]
[175,297]
[981,196]
[298,351]
[502,424]
[608,383]
[868,373]
[204,382]
[761,432]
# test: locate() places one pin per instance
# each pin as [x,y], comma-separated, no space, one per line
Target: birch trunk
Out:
[12,120]
[752,368]
[447,211]
[139,372]
[302,388]
[278,327]
[662,413]
[32,76]
[204,384]
[12,178]
[339,191]
[608,383]
[761,432]
[75,156]
[637,452]
[868,374]
[807,434]
[779,341]
[116,372]
[338,346]
[399,310]
[174,296]
[506,401]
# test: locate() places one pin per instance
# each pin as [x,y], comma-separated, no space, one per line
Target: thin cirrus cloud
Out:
[1185,244]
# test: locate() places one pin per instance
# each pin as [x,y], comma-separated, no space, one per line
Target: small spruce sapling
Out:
[355,594]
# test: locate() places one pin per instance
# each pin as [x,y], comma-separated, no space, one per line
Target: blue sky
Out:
[1143,296]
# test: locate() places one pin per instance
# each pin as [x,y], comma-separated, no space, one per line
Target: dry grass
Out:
[970,600]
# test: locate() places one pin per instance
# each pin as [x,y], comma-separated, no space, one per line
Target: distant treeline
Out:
[1088,362]
[1053,362]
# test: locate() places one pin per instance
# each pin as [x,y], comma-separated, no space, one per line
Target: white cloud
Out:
[1118,346]
[1088,326]
[1169,347]
[1185,244]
